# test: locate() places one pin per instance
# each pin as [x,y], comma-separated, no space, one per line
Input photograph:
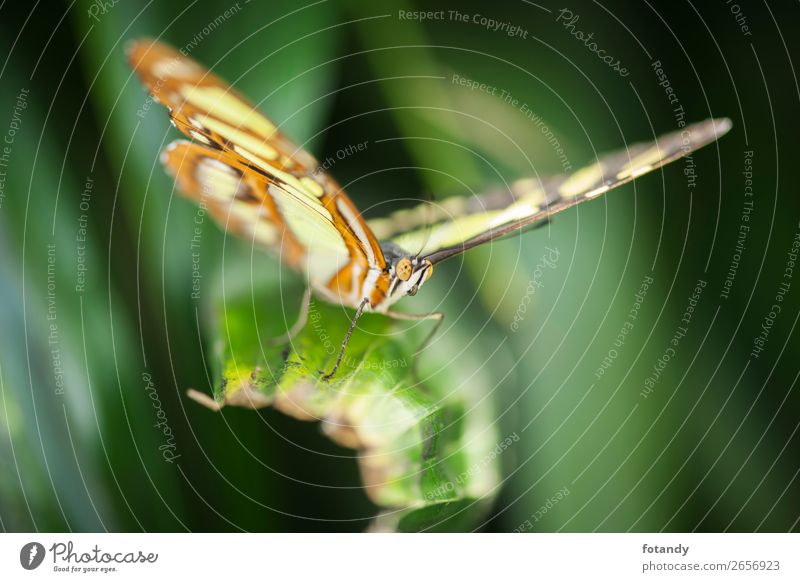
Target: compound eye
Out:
[413,290]
[403,269]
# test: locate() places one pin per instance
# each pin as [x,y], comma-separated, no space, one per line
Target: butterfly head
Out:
[408,275]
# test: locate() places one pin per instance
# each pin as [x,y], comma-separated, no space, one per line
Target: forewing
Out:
[441,230]
[206,109]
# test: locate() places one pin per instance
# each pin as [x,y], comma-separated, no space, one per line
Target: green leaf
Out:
[414,455]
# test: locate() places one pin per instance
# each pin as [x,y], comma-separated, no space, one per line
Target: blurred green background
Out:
[713,446]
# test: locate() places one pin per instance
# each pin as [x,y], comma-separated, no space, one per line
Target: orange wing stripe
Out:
[183,160]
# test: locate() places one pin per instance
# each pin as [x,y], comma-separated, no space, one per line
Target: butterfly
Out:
[259,185]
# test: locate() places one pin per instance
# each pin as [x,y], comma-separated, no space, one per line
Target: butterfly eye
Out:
[413,290]
[403,269]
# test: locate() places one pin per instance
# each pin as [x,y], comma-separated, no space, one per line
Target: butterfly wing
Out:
[255,181]
[204,107]
[457,224]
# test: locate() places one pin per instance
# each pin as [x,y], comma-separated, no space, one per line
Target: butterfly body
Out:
[260,186]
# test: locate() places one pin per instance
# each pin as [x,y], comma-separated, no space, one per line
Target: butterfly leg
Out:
[438,316]
[346,339]
[298,326]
